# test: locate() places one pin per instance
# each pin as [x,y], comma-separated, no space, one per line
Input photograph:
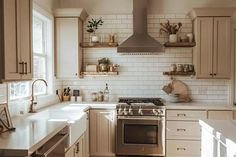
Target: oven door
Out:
[140,136]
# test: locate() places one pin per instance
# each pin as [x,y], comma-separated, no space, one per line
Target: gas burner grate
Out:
[129,101]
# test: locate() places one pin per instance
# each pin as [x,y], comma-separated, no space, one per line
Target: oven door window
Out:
[140,134]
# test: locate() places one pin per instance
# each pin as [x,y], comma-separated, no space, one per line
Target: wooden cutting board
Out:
[181,88]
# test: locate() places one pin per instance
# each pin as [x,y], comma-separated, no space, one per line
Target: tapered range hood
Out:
[140,41]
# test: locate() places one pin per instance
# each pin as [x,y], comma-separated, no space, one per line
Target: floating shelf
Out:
[99,45]
[100,73]
[179,73]
[183,44]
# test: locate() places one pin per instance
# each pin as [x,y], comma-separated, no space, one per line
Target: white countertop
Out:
[29,135]
[34,130]
[200,105]
[223,130]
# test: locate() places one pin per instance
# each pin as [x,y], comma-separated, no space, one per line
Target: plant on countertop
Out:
[66,91]
[170,28]
[93,25]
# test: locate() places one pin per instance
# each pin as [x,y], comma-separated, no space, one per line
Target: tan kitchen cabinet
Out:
[15,41]
[102,132]
[220,115]
[68,36]
[212,51]
[77,150]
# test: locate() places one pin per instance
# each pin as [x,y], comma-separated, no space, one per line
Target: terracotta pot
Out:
[65,98]
[173,38]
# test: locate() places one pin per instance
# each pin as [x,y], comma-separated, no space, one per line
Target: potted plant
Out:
[66,94]
[92,26]
[103,64]
[171,30]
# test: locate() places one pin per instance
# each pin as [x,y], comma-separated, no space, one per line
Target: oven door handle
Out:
[140,118]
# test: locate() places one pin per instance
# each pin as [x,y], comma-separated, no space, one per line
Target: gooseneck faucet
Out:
[33,103]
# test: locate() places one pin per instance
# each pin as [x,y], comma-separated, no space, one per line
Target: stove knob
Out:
[140,111]
[160,112]
[155,112]
[130,111]
[120,112]
[125,111]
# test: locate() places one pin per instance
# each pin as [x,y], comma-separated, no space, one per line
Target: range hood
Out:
[140,41]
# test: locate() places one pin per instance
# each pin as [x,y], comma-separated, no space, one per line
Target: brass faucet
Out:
[33,103]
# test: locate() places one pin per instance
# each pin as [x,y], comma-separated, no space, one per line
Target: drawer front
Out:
[183,130]
[177,148]
[220,115]
[186,115]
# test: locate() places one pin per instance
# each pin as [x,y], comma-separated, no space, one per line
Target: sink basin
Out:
[76,119]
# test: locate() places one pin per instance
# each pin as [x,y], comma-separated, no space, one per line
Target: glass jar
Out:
[100,96]
[94,96]
[180,68]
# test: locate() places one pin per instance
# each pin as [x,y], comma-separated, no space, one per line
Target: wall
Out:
[141,75]
[155,6]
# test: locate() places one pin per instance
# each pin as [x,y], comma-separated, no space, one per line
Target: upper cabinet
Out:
[212,54]
[16,47]
[68,36]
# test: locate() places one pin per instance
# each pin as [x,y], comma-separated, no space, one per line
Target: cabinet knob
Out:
[214,74]
[211,74]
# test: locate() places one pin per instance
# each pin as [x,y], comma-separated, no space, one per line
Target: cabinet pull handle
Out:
[22,68]
[26,70]
[179,149]
[181,114]
[77,148]
[181,129]
[214,74]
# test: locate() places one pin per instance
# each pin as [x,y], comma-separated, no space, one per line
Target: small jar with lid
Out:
[173,67]
[180,68]
[100,96]
[94,96]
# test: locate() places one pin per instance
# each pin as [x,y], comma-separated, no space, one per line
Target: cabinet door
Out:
[102,132]
[221,62]
[79,147]
[67,47]
[70,152]
[220,115]
[204,49]
[11,64]
[24,36]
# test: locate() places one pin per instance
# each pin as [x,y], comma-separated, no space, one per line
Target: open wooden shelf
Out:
[171,73]
[180,44]
[99,73]
[98,45]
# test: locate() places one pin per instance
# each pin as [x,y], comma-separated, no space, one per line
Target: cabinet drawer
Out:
[183,130]
[220,115]
[176,148]
[186,115]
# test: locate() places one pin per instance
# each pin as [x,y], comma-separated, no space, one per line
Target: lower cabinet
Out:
[102,132]
[183,133]
[78,149]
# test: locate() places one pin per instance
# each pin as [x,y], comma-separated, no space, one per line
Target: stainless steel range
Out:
[140,127]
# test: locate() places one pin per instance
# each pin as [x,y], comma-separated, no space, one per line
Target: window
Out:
[42,59]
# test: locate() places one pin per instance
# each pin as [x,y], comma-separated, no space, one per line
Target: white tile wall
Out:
[3,93]
[141,75]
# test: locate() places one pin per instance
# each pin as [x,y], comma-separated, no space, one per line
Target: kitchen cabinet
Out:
[211,55]
[68,36]
[220,115]
[183,133]
[15,40]
[78,149]
[102,132]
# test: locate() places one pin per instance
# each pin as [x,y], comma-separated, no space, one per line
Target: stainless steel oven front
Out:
[140,135]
